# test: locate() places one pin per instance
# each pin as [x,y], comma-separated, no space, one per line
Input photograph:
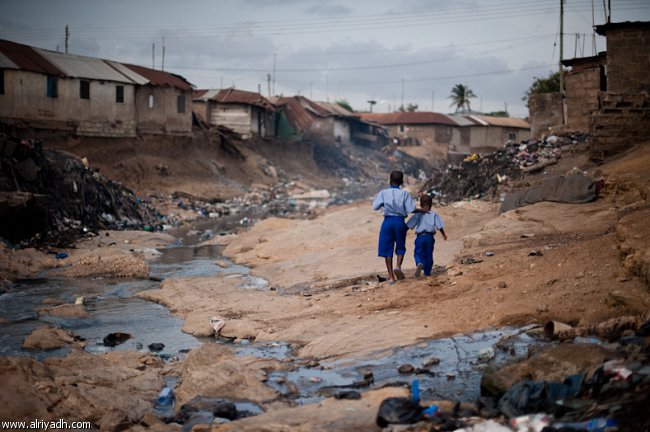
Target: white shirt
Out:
[395,201]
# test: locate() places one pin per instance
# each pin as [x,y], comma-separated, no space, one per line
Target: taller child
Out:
[397,204]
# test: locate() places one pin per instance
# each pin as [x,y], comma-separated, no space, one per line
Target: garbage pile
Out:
[479,177]
[50,197]
[595,378]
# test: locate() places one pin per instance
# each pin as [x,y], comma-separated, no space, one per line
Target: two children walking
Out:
[397,204]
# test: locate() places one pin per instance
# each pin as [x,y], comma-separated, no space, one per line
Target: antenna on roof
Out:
[67,36]
[162,68]
[153,56]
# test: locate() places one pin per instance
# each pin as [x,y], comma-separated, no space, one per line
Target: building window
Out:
[150,101]
[119,94]
[401,128]
[84,89]
[180,104]
[52,84]
[512,136]
[2,81]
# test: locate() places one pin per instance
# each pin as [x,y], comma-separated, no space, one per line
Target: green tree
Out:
[409,108]
[550,84]
[460,97]
[344,104]
[498,114]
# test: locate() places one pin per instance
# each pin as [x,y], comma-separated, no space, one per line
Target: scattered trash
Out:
[217,324]
[535,253]
[402,410]
[61,255]
[79,300]
[470,261]
[486,354]
[488,253]
[532,422]
[165,397]
[593,425]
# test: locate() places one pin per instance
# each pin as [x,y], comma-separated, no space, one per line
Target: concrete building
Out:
[583,83]
[83,95]
[436,136]
[300,118]
[623,117]
[247,113]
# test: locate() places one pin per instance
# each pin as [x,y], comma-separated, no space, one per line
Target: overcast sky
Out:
[394,52]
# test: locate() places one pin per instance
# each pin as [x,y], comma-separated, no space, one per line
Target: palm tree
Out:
[460,96]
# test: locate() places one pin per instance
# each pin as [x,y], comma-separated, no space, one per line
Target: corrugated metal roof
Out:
[133,76]
[504,121]
[160,78]
[477,121]
[6,63]
[235,96]
[300,111]
[27,58]
[409,118]
[336,109]
[461,120]
[76,66]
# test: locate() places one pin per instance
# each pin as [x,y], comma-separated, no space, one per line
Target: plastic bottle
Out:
[598,424]
[415,391]
[166,396]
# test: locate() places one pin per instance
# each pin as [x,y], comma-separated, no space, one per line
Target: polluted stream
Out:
[448,368]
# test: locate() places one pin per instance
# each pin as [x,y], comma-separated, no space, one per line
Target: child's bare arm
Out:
[444,236]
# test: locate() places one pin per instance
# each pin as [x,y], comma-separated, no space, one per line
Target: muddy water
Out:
[111,305]
[458,363]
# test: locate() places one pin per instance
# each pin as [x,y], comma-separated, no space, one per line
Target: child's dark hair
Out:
[425,200]
[396,178]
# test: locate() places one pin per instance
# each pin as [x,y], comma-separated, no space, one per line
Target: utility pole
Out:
[327,85]
[561,45]
[402,93]
[163,56]
[274,58]
[609,11]
[268,83]
[67,36]
[153,56]
[593,29]
[560,63]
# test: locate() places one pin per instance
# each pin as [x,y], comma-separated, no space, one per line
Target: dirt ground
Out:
[574,263]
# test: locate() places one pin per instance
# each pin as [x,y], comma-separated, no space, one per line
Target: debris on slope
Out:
[52,197]
[480,176]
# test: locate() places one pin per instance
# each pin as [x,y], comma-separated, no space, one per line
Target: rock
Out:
[554,364]
[67,311]
[48,338]
[113,339]
[502,284]
[431,361]
[157,346]
[222,263]
[406,369]
[218,407]
[348,394]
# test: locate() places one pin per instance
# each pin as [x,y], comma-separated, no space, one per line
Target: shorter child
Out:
[425,222]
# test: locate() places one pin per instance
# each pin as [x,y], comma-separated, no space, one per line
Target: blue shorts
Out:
[392,236]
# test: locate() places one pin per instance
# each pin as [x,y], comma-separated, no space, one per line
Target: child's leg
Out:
[386,245]
[428,255]
[400,246]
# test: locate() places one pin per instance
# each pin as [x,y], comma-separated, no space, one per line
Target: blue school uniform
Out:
[397,204]
[425,225]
